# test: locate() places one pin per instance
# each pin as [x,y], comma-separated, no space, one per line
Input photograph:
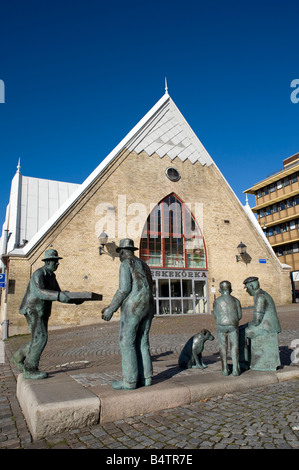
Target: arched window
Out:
[171,237]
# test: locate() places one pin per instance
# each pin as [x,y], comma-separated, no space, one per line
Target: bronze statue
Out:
[265,319]
[134,296]
[260,335]
[191,355]
[36,306]
[227,312]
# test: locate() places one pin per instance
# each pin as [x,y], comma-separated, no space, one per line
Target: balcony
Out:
[277,195]
[284,237]
[288,213]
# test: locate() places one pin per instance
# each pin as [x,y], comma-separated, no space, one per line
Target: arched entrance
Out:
[173,246]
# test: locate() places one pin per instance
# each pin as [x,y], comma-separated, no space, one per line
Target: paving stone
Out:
[263,417]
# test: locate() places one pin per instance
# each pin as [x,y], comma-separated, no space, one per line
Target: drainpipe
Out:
[5,322]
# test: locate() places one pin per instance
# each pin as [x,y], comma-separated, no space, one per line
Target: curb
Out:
[61,404]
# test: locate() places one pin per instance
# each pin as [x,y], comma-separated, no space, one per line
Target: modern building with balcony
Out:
[277,209]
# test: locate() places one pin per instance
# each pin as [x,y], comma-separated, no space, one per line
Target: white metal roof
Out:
[168,133]
[33,201]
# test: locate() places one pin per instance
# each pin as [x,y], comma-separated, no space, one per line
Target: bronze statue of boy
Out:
[227,312]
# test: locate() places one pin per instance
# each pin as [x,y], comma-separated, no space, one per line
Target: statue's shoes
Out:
[121,385]
[34,374]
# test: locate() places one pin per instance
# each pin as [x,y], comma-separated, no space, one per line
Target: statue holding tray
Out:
[36,306]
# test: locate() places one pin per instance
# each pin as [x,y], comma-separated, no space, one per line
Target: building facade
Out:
[161,188]
[277,209]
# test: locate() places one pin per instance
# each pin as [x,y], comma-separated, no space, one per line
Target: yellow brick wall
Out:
[132,179]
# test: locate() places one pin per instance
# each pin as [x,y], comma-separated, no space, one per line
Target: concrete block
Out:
[213,385]
[120,404]
[56,404]
[288,373]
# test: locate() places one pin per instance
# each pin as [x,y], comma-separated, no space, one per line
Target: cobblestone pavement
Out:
[266,417]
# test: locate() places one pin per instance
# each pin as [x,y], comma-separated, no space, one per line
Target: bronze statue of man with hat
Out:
[259,337]
[265,319]
[36,306]
[134,296]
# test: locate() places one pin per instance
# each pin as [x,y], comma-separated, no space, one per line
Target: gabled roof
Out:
[33,201]
[163,130]
[168,133]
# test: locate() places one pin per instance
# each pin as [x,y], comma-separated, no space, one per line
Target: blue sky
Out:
[80,74]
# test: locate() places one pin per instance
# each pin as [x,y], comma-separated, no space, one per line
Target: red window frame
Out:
[165,231]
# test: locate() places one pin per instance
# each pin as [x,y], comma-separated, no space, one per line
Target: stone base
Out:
[56,404]
[60,403]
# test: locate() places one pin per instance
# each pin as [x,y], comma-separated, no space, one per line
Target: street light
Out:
[103,239]
[243,255]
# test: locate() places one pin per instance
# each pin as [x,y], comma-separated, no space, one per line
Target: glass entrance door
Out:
[180,296]
[200,297]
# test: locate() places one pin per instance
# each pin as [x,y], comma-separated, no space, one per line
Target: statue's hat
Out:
[250,279]
[127,244]
[51,254]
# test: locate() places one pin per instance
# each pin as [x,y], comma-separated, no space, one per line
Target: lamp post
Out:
[243,255]
[103,239]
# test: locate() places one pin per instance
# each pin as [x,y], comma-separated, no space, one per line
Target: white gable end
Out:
[168,133]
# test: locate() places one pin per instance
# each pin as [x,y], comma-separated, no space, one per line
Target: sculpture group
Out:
[253,345]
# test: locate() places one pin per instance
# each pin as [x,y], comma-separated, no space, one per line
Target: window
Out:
[279,184]
[274,209]
[259,193]
[268,211]
[282,206]
[266,190]
[284,227]
[279,251]
[292,225]
[295,247]
[262,213]
[290,203]
[171,237]
[272,187]
[277,229]
[172,174]
[286,181]
[294,177]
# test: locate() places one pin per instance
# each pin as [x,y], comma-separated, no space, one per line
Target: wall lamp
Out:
[103,239]
[243,255]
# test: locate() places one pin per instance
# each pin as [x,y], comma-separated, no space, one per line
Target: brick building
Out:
[161,188]
[277,209]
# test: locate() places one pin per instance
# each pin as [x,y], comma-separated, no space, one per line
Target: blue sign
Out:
[2,280]
[262,261]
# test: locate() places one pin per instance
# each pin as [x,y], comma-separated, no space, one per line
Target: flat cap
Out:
[250,279]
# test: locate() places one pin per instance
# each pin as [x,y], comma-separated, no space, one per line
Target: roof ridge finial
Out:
[166,87]
[19,165]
